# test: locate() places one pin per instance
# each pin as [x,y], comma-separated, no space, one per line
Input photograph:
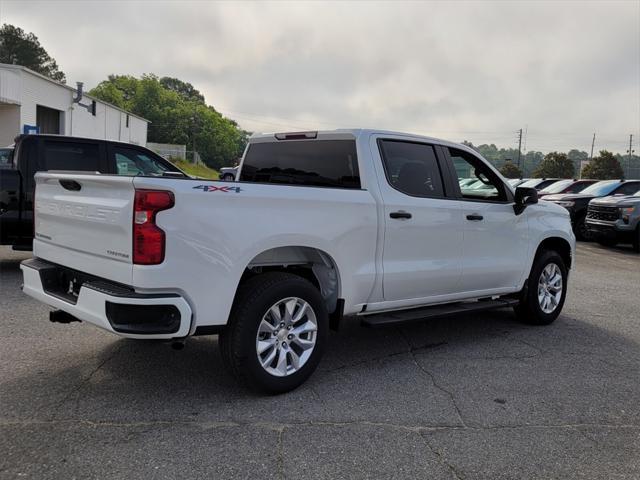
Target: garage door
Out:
[48,119]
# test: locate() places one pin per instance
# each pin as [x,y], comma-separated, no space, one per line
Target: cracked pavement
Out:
[476,396]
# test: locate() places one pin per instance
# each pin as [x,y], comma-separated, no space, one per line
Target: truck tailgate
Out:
[85,222]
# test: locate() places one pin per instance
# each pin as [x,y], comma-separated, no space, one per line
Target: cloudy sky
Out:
[457,70]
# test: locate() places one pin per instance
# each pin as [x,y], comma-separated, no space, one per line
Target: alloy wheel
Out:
[286,336]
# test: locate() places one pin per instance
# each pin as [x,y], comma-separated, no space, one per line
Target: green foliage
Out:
[21,48]
[509,170]
[604,167]
[184,89]
[555,165]
[196,170]
[178,114]
[499,156]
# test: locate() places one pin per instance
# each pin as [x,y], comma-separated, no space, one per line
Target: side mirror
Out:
[524,196]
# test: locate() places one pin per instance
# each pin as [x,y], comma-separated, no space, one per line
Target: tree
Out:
[603,167]
[184,89]
[555,165]
[178,114]
[577,157]
[509,170]
[21,48]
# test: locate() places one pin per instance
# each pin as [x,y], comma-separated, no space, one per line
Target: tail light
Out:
[148,238]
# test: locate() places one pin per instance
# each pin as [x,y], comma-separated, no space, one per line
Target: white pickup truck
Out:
[321,227]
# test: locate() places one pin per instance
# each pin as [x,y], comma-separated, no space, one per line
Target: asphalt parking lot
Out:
[469,397]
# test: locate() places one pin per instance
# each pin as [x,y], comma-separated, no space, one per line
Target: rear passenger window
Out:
[317,163]
[71,156]
[412,168]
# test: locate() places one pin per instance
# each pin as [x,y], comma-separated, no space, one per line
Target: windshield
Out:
[600,189]
[557,187]
[5,157]
[531,183]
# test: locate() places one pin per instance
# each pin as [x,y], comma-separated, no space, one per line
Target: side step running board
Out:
[436,311]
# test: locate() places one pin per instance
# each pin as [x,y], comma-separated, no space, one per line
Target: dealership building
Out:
[33,103]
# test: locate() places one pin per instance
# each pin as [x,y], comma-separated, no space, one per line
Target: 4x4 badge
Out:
[214,188]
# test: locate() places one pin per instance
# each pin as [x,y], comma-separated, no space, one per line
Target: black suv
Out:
[35,153]
[577,203]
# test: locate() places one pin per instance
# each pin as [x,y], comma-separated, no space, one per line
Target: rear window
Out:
[318,163]
[71,156]
[133,162]
[5,157]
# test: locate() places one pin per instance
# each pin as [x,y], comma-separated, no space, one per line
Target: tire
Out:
[636,240]
[227,177]
[530,309]
[582,231]
[253,309]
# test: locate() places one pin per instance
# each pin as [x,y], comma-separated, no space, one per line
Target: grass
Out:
[196,170]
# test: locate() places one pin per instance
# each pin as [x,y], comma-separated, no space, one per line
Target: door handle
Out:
[70,185]
[400,215]
[474,217]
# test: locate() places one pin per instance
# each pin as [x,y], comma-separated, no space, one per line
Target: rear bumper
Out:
[107,305]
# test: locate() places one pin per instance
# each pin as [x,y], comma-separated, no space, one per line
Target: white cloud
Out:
[474,70]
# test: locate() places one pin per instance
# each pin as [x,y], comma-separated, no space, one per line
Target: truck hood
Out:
[615,200]
[567,196]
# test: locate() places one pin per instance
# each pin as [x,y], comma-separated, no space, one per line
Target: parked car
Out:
[577,203]
[467,182]
[516,182]
[565,186]
[228,174]
[35,153]
[6,156]
[613,220]
[321,226]
[539,183]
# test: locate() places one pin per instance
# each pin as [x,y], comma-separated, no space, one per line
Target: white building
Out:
[30,102]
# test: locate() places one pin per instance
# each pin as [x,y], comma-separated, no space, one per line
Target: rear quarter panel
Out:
[216,228]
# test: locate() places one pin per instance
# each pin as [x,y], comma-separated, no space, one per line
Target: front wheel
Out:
[542,301]
[582,231]
[227,177]
[636,240]
[277,332]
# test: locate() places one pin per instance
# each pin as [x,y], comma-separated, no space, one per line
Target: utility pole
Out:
[630,152]
[593,142]
[519,146]
[193,135]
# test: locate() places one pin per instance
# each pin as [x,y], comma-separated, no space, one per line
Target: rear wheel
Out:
[277,332]
[542,301]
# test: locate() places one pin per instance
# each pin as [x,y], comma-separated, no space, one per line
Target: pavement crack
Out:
[432,377]
[364,362]
[454,471]
[523,342]
[84,382]
[281,473]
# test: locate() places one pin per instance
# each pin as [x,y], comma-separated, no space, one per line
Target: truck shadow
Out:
[425,363]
